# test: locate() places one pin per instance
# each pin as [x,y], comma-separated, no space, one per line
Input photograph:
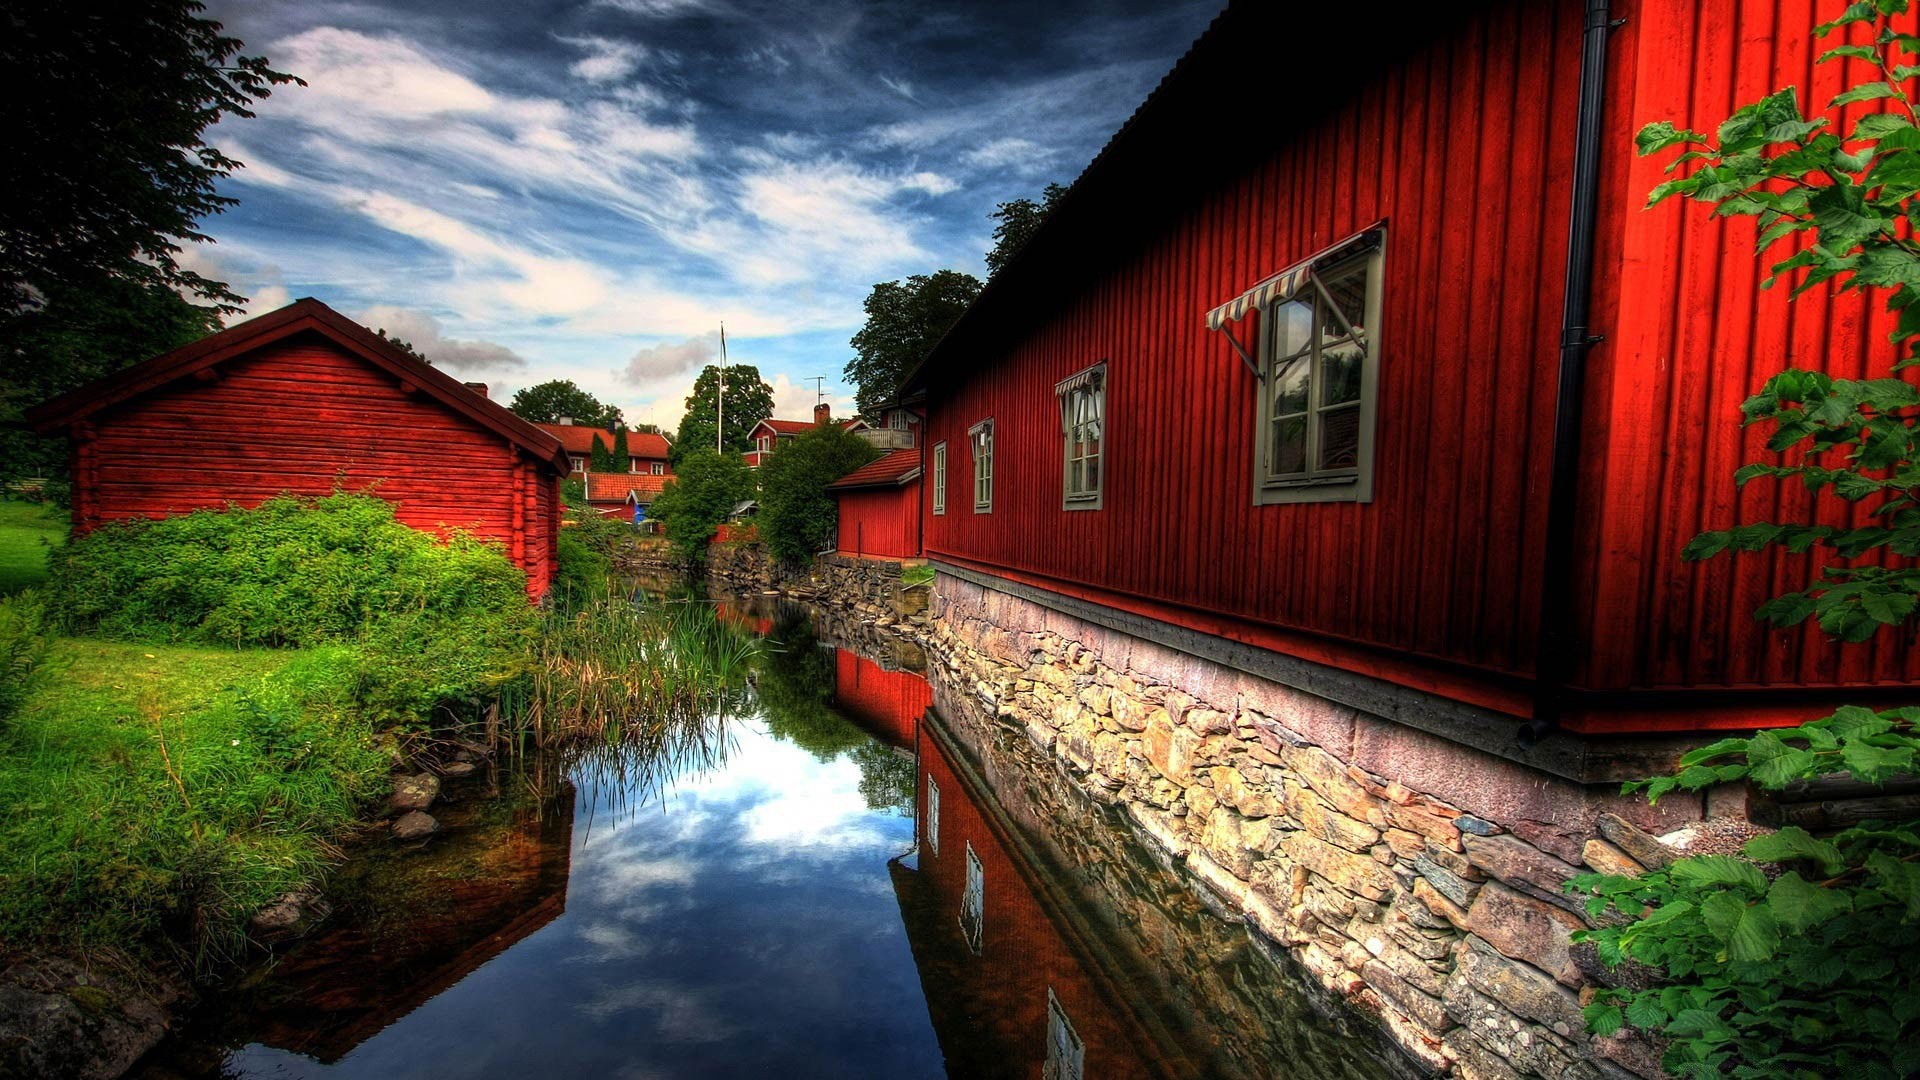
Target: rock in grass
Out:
[58,1018]
[415,792]
[415,826]
[454,770]
[291,916]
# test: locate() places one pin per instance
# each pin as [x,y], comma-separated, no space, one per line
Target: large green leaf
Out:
[1719,870]
[1799,904]
[1749,931]
[1794,842]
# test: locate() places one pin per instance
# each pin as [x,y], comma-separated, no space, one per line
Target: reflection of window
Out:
[1319,376]
[940,478]
[973,902]
[1083,406]
[981,435]
[933,817]
[1066,1054]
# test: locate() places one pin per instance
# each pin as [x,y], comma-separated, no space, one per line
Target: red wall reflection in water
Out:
[886,703]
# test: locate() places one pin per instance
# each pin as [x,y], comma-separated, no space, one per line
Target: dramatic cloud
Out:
[422,331]
[569,187]
[672,358]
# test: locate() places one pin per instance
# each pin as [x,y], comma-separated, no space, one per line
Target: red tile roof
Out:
[613,487]
[789,427]
[578,439]
[889,471]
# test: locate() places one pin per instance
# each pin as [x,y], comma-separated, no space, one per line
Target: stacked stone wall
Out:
[870,589]
[1420,880]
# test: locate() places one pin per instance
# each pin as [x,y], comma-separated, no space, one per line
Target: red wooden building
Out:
[1285,369]
[305,401]
[623,495]
[879,507]
[646,452]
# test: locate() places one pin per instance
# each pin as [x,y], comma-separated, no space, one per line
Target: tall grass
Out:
[612,668]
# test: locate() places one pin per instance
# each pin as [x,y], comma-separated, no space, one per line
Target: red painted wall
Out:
[305,417]
[991,1009]
[1464,150]
[880,522]
[888,704]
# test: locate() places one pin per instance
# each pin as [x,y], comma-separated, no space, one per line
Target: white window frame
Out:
[977,435]
[1092,383]
[973,904]
[1314,485]
[659,468]
[933,817]
[940,478]
[579,463]
[1066,1052]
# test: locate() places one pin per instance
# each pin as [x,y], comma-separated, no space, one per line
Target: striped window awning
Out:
[1285,285]
[1092,376]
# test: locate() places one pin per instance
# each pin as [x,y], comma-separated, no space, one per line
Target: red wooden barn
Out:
[880,508]
[1284,370]
[305,401]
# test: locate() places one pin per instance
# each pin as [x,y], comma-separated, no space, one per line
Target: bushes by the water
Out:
[288,572]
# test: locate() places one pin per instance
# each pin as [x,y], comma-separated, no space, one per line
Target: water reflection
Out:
[822,883]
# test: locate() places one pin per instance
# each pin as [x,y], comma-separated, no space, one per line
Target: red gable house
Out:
[646,452]
[303,401]
[880,507]
[1294,377]
[768,434]
[623,495]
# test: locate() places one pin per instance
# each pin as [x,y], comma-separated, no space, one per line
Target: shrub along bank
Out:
[214,721]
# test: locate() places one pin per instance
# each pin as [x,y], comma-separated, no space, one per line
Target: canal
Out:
[819,880]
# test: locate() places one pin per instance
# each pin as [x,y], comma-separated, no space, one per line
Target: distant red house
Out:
[623,495]
[305,401]
[646,452]
[880,508]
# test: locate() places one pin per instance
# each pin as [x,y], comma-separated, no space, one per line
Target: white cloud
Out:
[606,59]
[1001,153]
[656,8]
[795,401]
[423,332]
[899,86]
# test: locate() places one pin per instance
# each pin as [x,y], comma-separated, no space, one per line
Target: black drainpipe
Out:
[1554,663]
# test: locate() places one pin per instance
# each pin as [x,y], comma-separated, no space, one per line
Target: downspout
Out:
[1554,663]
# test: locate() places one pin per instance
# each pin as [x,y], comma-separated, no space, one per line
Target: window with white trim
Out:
[659,468]
[1319,378]
[1066,1053]
[973,903]
[579,463]
[981,436]
[940,478]
[933,817]
[1083,407]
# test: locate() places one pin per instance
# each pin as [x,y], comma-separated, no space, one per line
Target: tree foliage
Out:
[600,458]
[905,320]
[547,402]
[702,494]
[749,401]
[797,517]
[621,455]
[403,346]
[1017,221]
[1814,971]
[102,156]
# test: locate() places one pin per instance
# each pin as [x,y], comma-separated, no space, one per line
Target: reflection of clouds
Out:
[677,1012]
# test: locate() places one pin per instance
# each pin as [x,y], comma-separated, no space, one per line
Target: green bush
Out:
[705,489]
[797,517]
[289,572]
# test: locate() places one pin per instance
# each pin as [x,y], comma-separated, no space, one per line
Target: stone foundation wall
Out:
[870,589]
[1418,879]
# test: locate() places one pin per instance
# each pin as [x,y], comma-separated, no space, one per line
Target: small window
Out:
[1319,377]
[897,419]
[973,903]
[633,464]
[659,468]
[1083,407]
[579,464]
[1066,1053]
[940,478]
[981,435]
[933,817]
[766,443]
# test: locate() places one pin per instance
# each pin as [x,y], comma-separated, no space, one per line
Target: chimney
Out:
[478,388]
[822,414]
[566,421]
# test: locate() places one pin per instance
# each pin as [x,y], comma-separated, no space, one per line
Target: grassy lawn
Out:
[25,531]
[162,790]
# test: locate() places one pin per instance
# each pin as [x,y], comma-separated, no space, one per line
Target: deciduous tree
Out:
[749,401]
[705,489]
[797,516]
[547,402]
[1017,221]
[905,320]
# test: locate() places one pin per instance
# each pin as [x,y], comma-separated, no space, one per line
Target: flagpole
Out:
[720,399]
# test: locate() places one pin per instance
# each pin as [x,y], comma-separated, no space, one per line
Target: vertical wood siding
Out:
[887,704]
[1692,335]
[305,418]
[880,522]
[1464,151]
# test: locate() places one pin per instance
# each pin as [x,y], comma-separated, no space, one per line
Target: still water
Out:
[819,883]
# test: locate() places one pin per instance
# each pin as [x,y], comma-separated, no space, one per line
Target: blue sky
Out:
[585,190]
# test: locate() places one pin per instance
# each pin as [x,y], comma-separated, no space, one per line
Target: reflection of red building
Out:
[1026,1001]
[886,703]
[754,615]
